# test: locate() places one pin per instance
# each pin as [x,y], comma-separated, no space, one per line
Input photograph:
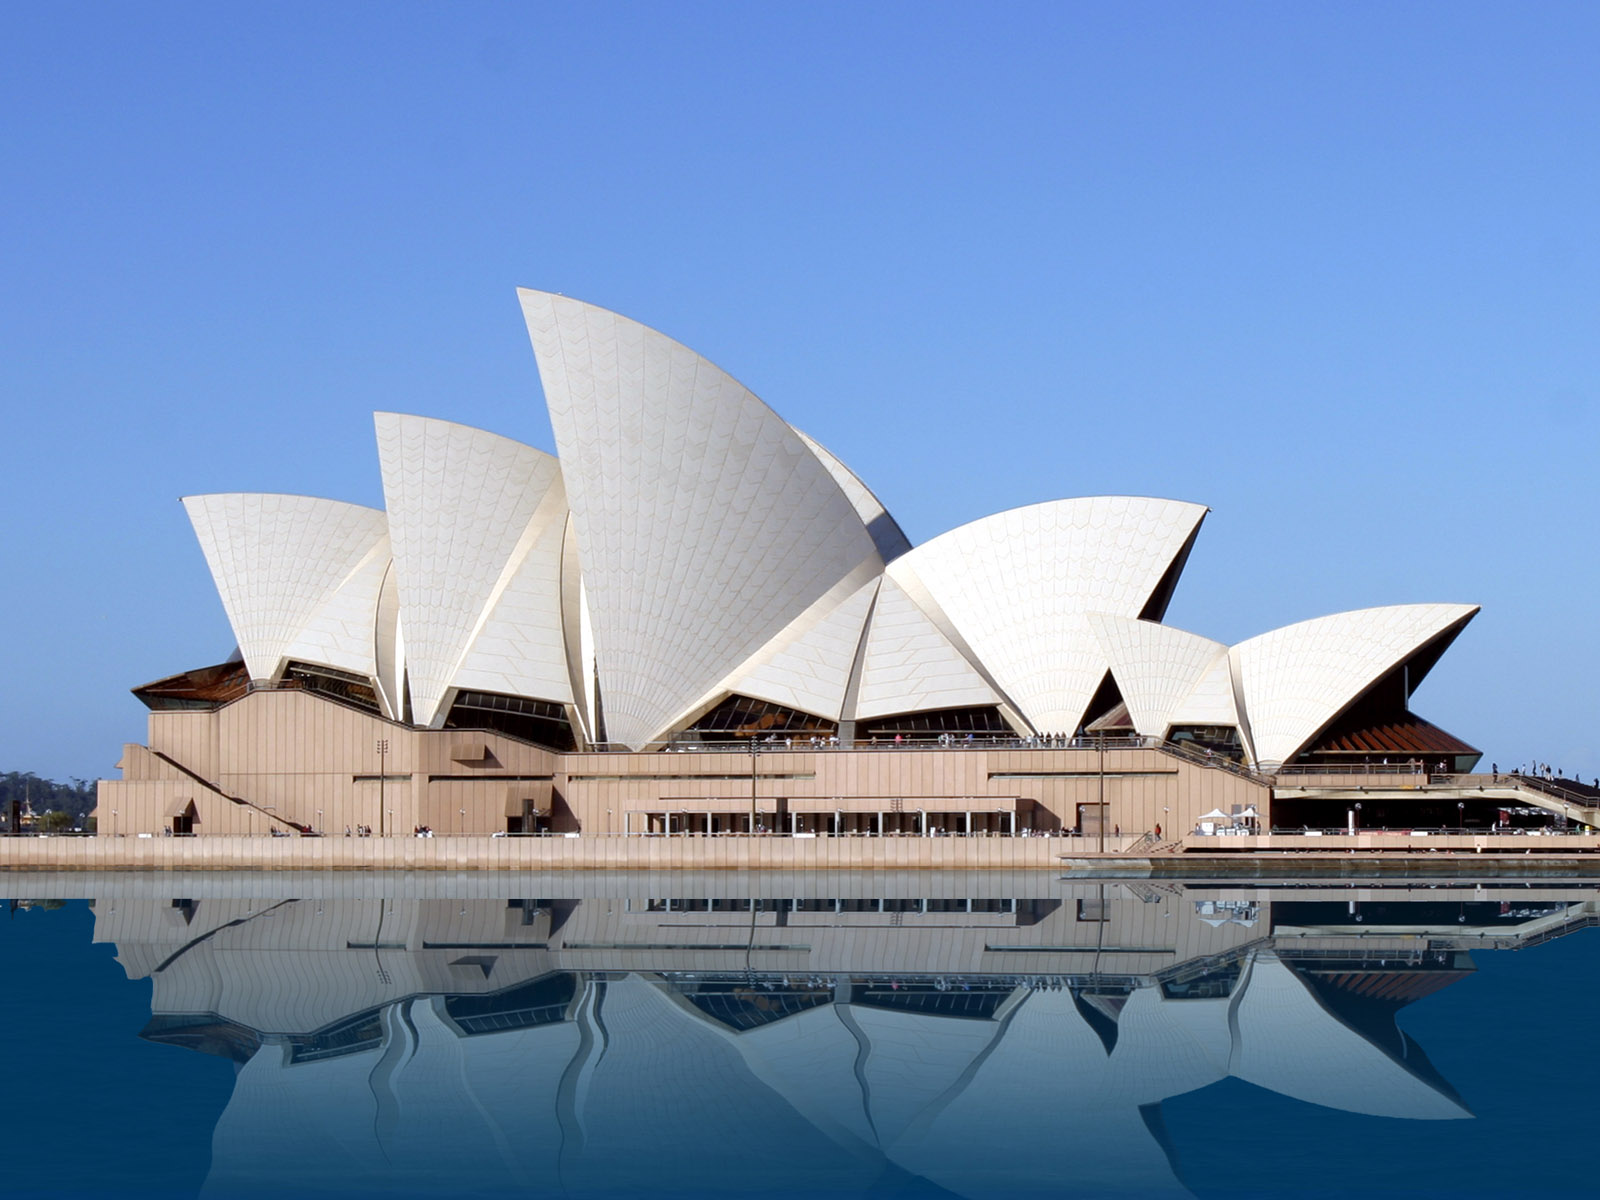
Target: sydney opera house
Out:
[522,643]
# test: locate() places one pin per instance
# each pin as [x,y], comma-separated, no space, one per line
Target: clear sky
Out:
[1329,269]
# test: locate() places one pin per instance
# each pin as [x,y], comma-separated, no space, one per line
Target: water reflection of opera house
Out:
[985,1043]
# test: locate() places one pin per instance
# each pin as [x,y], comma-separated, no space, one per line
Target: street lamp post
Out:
[383,771]
[753,748]
[1461,816]
[1103,813]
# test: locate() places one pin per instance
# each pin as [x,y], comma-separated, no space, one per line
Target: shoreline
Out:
[1454,856]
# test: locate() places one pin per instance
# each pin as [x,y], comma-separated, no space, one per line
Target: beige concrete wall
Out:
[190,737]
[311,762]
[531,854]
[1141,788]
[129,808]
[138,762]
[599,853]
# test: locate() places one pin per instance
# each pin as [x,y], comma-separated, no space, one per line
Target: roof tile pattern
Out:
[1016,587]
[910,665]
[341,633]
[886,532]
[276,560]
[1214,700]
[690,543]
[521,649]
[1296,679]
[1156,667]
[705,524]
[808,666]
[460,501]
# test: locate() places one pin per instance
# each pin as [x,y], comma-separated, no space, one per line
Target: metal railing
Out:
[790,744]
[1415,767]
[1217,762]
[1419,831]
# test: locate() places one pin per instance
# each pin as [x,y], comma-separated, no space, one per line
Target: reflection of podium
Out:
[863,1030]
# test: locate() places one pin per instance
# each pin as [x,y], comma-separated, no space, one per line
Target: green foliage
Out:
[54,821]
[76,799]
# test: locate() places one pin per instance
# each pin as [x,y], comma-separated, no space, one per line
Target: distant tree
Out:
[76,799]
[54,821]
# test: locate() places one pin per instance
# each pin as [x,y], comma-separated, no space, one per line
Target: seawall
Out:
[1571,856]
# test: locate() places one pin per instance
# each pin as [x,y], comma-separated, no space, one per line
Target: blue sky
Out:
[1330,270]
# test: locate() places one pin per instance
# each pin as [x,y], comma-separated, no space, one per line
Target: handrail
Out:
[1219,762]
[789,744]
[1415,767]
[1551,788]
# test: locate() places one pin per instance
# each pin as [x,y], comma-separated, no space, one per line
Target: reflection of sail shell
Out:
[1291,1044]
[479,1058]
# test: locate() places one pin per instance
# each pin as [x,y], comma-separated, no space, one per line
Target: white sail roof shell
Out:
[1296,679]
[885,530]
[277,560]
[340,633]
[1214,700]
[705,523]
[462,507]
[1157,668]
[910,665]
[521,648]
[1017,588]
[807,666]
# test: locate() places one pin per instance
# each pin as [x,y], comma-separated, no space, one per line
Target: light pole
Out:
[1358,815]
[752,829]
[1102,743]
[1461,816]
[383,771]
[461,825]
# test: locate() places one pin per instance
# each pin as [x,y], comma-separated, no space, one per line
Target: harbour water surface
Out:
[977,1035]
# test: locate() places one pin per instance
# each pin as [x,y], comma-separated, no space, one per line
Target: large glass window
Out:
[982,723]
[741,717]
[542,722]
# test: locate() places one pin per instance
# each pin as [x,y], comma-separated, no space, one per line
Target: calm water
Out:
[943,1035]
